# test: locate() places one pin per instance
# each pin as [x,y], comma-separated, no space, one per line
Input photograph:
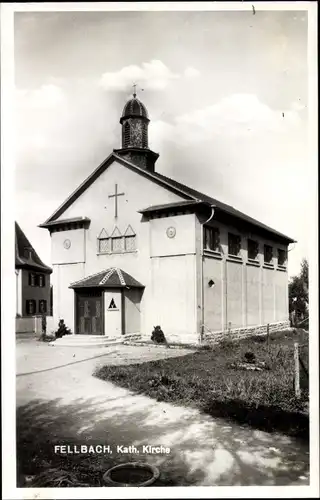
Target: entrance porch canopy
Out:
[109,278]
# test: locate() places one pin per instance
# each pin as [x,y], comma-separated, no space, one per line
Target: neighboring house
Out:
[32,279]
[132,248]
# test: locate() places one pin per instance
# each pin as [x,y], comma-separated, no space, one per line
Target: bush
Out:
[158,336]
[62,330]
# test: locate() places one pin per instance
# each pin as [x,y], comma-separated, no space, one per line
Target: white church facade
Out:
[132,249]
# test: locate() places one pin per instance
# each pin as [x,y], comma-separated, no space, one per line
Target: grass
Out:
[206,380]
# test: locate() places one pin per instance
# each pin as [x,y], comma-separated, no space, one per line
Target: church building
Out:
[132,249]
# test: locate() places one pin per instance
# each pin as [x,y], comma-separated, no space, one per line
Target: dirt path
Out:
[75,407]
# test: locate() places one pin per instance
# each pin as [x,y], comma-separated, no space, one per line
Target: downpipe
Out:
[201,335]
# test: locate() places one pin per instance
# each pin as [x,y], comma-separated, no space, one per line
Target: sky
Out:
[227,94]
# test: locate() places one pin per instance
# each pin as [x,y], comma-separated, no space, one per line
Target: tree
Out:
[299,294]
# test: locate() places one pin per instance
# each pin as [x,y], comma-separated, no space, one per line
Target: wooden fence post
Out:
[268,334]
[296,370]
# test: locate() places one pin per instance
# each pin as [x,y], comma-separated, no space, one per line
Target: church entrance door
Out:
[89,312]
[113,312]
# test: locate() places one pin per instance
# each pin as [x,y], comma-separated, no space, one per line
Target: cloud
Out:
[154,75]
[191,72]
[46,96]
[236,114]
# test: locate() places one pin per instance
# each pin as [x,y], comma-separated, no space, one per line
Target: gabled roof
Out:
[223,207]
[25,255]
[172,185]
[63,222]
[113,277]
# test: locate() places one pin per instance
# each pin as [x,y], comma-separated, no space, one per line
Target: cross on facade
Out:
[115,196]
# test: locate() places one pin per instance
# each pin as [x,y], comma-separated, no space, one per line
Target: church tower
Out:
[135,146]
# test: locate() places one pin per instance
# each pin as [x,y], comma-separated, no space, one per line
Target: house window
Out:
[234,244]
[27,252]
[42,306]
[117,244]
[104,245]
[253,249]
[268,254]
[31,307]
[211,239]
[282,257]
[129,243]
[32,279]
[41,280]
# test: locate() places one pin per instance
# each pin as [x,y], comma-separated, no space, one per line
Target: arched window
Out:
[126,135]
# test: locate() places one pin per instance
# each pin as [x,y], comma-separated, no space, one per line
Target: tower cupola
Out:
[135,145]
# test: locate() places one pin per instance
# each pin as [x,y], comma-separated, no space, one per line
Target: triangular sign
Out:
[112,305]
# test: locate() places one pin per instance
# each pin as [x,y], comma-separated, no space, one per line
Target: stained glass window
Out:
[117,245]
[104,245]
[130,243]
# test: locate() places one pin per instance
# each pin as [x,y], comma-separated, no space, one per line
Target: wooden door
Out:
[89,313]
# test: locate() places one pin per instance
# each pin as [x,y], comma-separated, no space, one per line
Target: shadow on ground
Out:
[203,451]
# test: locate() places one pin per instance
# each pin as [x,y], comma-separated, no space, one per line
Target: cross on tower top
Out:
[134,89]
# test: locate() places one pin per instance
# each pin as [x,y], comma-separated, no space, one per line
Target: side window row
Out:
[37,279]
[31,307]
[211,241]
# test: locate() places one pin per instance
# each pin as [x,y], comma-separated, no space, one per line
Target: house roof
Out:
[169,206]
[109,278]
[62,222]
[134,108]
[223,207]
[172,185]
[25,255]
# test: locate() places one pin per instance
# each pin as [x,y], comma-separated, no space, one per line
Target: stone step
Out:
[87,346]
[86,341]
[85,338]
